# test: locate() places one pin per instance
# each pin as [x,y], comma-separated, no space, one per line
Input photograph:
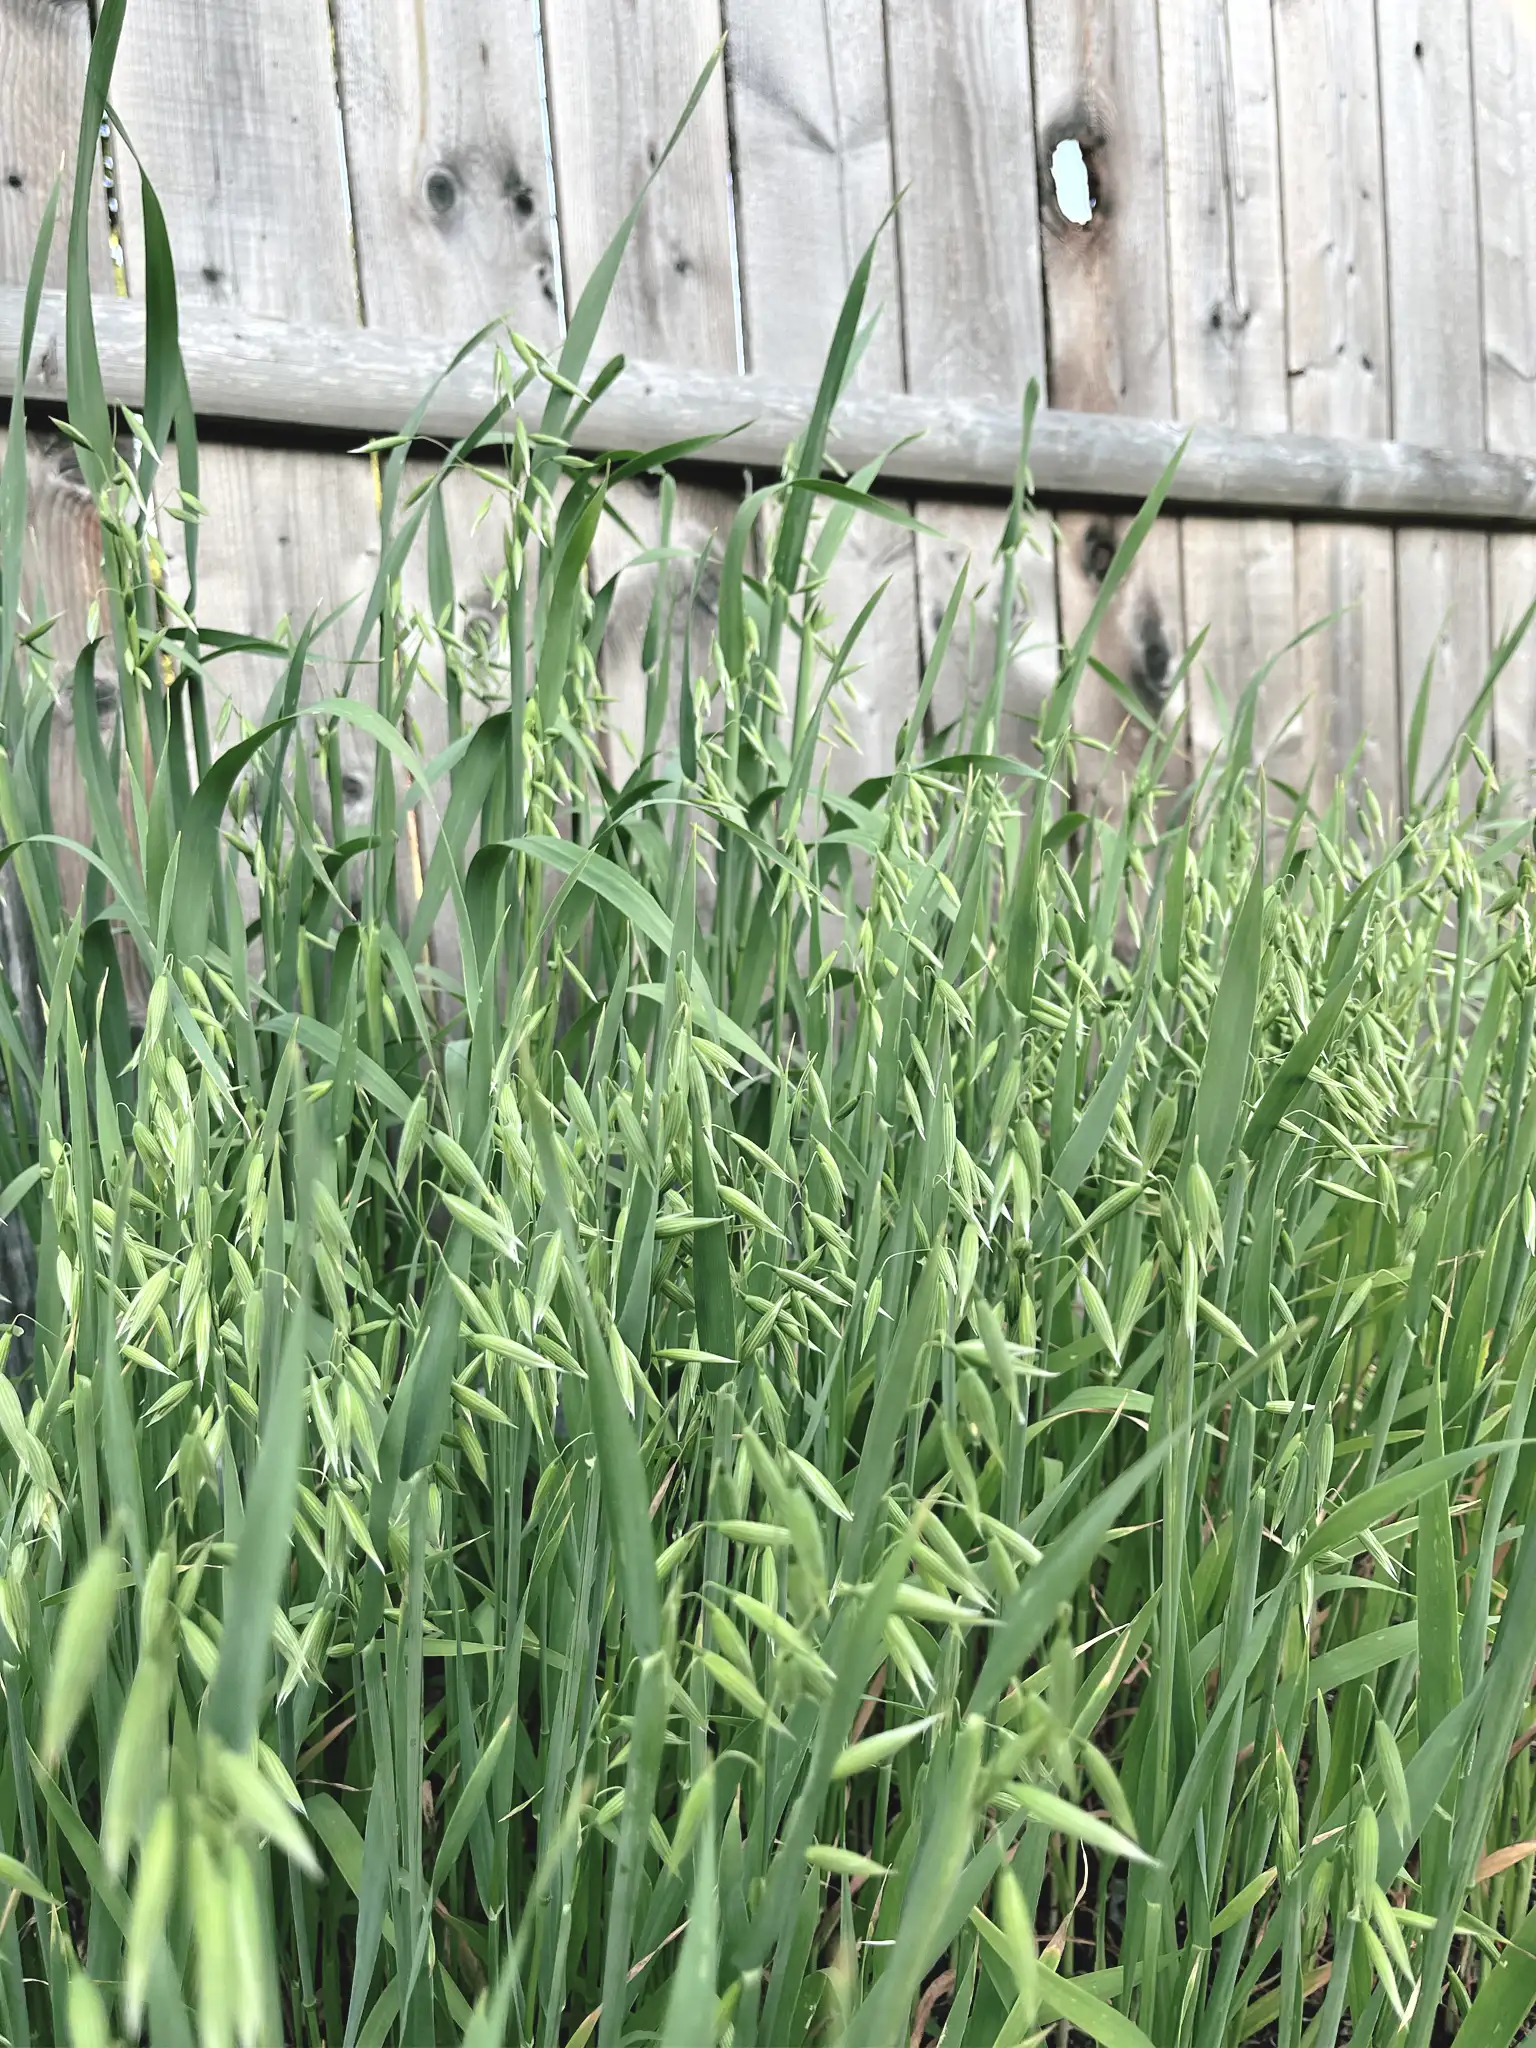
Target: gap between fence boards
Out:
[302,383]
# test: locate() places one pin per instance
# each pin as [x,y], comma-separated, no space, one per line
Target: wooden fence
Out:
[1309,218]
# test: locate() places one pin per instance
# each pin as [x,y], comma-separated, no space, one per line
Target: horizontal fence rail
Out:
[277,374]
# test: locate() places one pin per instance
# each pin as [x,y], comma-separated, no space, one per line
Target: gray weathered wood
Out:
[1437,363]
[618,80]
[358,381]
[1228,294]
[444,133]
[812,132]
[619,77]
[43,53]
[972,311]
[1504,80]
[1338,364]
[811,125]
[233,109]
[452,227]
[1097,72]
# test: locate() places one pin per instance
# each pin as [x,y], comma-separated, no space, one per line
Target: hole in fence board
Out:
[1069,176]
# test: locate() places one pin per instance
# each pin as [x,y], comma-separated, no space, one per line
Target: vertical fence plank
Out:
[233,107]
[1228,291]
[1437,358]
[444,132]
[1097,77]
[43,53]
[619,76]
[811,125]
[968,234]
[618,79]
[234,111]
[443,125]
[1504,76]
[1337,359]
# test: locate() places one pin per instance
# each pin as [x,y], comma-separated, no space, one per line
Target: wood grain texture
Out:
[1347,675]
[619,77]
[60,578]
[1229,343]
[1435,296]
[973,317]
[364,380]
[1097,72]
[968,228]
[443,125]
[1337,359]
[811,125]
[233,109]
[1504,84]
[812,180]
[43,53]
[43,49]
[444,133]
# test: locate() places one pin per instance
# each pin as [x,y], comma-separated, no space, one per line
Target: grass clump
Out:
[803,1444]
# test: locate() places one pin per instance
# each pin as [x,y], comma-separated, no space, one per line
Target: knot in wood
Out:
[440,189]
[516,190]
[1098,549]
[1152,670]
[1227,317]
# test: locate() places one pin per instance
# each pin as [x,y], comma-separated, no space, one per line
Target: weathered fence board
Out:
[1337,360]
[43,51]
[365,380]
[1504,78]
[1097,69]
[1228,295]
[234,110]
[1287,203]
[618,78]
[812,180]
[43,54]
[443,125]
[1436,324]
[971,305]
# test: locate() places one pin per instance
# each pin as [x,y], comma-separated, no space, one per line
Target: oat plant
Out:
[724,1412]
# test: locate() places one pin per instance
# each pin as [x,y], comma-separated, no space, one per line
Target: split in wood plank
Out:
[1097,71]
[812,134]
